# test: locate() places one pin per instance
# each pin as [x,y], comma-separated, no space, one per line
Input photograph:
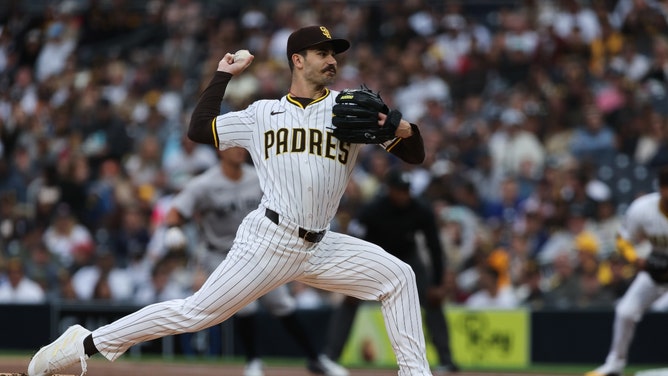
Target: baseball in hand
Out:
[241,55]
[174,238]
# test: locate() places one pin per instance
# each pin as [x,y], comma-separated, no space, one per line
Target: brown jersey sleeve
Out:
[207,109]
[411,149]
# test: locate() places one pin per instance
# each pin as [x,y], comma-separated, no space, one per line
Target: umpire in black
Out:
[392,220]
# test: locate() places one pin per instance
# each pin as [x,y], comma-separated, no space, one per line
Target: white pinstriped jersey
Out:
[291,147]
[644,219]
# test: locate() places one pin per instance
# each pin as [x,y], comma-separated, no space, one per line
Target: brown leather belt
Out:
[309,236]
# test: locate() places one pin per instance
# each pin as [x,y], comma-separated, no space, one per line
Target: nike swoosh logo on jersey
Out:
[276,112]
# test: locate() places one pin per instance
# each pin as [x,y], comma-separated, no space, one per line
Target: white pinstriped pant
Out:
[266,255]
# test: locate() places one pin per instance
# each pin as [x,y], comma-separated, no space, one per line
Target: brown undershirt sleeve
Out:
[207,109]
[411,149]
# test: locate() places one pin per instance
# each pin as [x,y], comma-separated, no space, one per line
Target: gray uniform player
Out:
[303,172]
[645,219]
[220,198]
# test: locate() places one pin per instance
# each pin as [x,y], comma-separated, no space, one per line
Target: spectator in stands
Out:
[594,140]
[563,286]
[591,274]
[573,221]
[145,167]
[104,134]
[161,286]
[516,151]
[632,63]
[422,86]
[68,240]
[73,185]
[17,287]
[640,20]
[11,182]
[131,239]
[185,15]
[657,70]
[652,137]
[42,267]
[605,222]
[572,16]
[458,227]
[448,51]
[506,210]
[14,223]
[529,289]
[66,289]
[593,294]
[606,45]
[54,53]
[187,159]
[109,192]
[491,294]
[103,280]
[621,274]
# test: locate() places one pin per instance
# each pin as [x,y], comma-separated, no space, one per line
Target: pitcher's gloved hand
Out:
[355,117]
[656,265]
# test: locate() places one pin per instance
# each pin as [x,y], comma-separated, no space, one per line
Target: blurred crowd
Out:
[542,120]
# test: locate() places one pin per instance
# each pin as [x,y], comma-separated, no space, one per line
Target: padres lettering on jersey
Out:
[300,140]
[303,168]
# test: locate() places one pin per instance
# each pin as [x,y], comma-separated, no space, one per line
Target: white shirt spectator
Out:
[411,100]
[505,299]
[119,281]
[450,47]
[584,19]
[186,159]
[514,149]
[67,239]
[491,292]
[162,286]
[26,292]
[55,52]
[19,289]
[633,65]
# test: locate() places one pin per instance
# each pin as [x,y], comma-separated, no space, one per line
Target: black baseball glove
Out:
[355,117]
[656,265]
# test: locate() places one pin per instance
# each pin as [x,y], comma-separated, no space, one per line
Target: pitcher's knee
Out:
[408,273]
[628,311]
[404,277]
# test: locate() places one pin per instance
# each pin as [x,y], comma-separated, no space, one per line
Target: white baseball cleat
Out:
[63,352]
[254,368]
[610,368]
[326,366]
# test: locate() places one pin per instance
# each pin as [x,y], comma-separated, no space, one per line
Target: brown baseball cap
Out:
[310,36]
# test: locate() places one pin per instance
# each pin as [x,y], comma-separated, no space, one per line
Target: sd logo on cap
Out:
[310,36]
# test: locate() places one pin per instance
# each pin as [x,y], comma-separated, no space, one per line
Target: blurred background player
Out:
[219,199]
[645,220]
[393,220]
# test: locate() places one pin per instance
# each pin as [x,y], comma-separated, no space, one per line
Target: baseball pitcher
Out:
[303,169]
